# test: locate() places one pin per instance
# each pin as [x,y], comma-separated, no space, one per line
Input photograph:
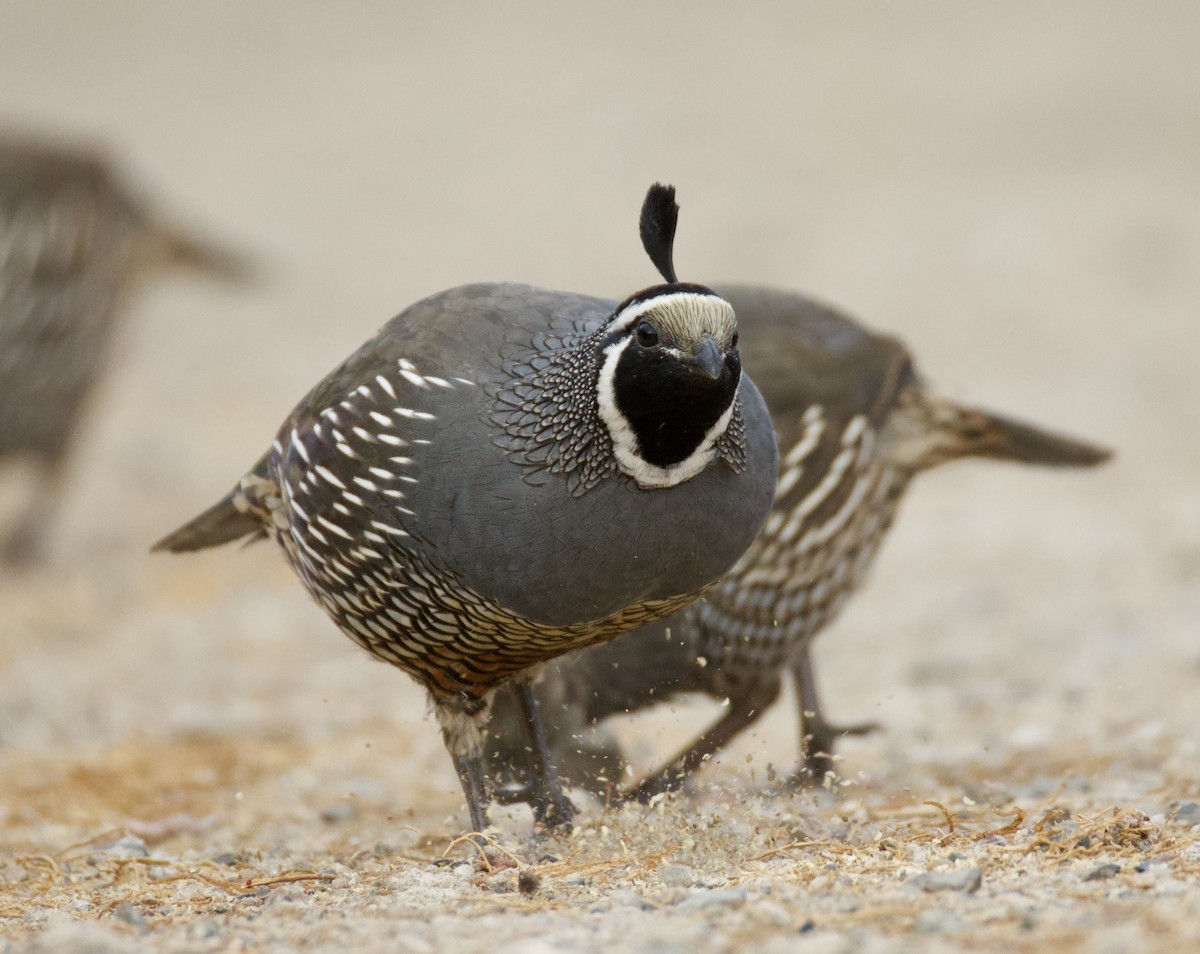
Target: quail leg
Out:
[817,736]
[464,741]
[743,712]
[550,804]
[470,775]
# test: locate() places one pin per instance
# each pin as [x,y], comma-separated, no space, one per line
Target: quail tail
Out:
[242,513]
[221,523]
[976,433]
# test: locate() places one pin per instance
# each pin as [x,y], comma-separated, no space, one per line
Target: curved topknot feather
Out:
[660,214]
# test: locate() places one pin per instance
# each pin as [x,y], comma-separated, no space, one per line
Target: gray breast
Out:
[407,426]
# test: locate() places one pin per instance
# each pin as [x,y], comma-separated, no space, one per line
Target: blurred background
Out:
[1011,188]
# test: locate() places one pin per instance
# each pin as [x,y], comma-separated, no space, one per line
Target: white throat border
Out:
[625,444]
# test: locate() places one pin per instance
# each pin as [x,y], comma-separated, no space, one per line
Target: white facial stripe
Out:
[625,445]
[619,429]
[626,318]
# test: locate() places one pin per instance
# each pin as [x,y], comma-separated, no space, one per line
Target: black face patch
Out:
[671,404]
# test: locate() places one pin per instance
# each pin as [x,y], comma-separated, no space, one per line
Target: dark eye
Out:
[646,334]
[734,340]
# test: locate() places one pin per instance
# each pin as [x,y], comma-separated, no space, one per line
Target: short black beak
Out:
[707,358]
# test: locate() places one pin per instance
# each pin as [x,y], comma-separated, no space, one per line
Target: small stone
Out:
[131,915]
[966,880]
[286,894]
[501,882]
[1185,813]
[226,858]
[702,900]
[1102,872]
[625,898]
[676,876]
[338,812]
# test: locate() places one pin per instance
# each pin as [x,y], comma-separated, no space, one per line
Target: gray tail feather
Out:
[221,523]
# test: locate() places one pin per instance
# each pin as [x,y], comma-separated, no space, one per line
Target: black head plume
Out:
[660,215]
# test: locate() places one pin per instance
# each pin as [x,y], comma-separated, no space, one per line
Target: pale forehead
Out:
[682,314]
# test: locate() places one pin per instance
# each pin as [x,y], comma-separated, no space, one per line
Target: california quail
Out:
[855,424]
[73,242]
[504,474]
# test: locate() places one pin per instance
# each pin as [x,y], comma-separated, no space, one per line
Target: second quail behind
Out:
[855,425]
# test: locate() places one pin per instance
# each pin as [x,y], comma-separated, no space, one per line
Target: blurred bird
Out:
[855,424]
[74,242]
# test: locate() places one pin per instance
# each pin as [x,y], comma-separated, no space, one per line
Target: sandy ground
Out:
[192,759]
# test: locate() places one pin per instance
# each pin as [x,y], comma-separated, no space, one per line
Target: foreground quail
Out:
[504,474]
[855,425]
[73,242]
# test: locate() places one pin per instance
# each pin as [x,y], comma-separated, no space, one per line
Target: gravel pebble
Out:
[1102,872]
[131,915]
[721,898]
[625,898]
[338,812]
[1186,813]
[967,880]
[676,876]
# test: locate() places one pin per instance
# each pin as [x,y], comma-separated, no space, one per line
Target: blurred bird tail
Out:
[969,432]
[181,248]
[243,513]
